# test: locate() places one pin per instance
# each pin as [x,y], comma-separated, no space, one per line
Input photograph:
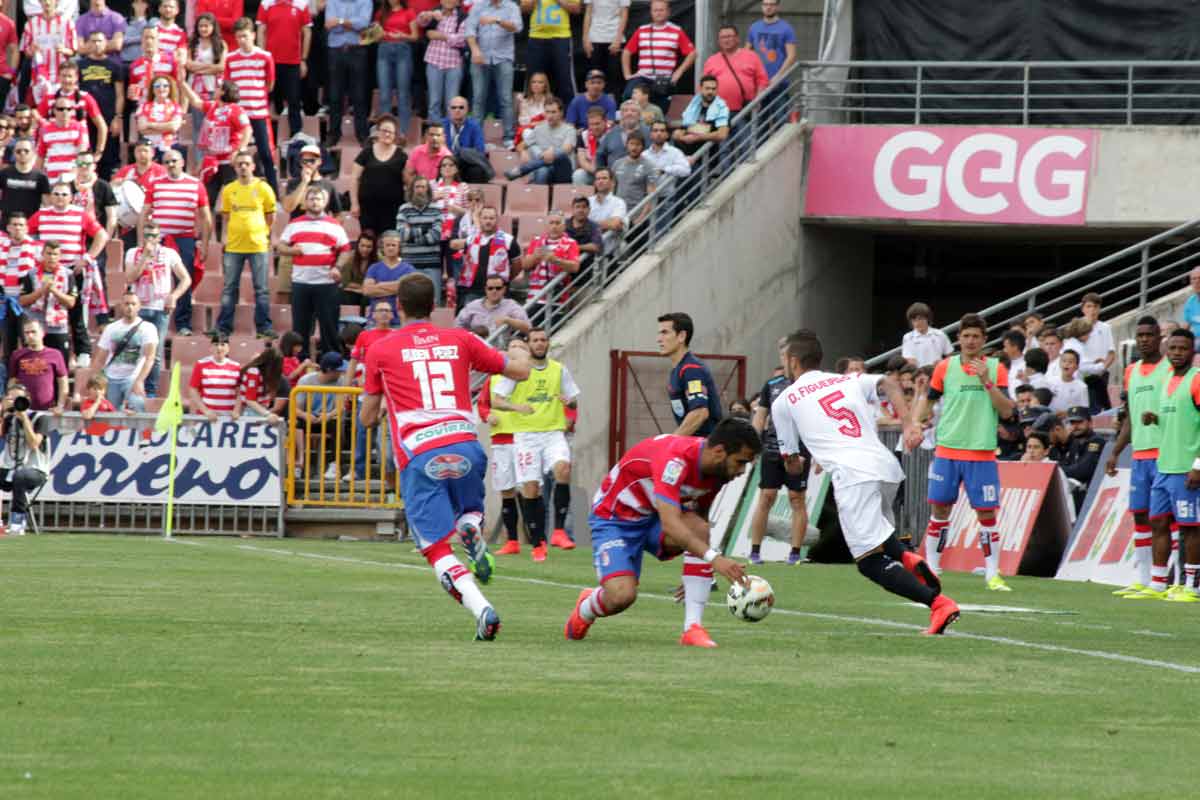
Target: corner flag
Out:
[169,417]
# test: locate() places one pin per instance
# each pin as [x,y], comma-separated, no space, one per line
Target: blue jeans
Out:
[482,78]
[186,247]
[380,443]
[443,85]
[393,70]
[158,319]
[231,267]
[434,274]
[119,394]
[557,171]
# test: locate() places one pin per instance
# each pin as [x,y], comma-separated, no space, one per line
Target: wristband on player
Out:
[988,386]
[1196,464]
[710,555]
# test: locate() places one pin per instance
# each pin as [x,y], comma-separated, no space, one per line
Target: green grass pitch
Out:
[202,668]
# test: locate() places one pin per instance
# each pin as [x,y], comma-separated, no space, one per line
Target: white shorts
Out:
[504,467]
[537,453]
[865,512]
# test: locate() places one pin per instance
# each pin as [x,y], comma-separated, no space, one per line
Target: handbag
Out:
[733,72]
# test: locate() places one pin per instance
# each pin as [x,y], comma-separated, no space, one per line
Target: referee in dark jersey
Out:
[693,392]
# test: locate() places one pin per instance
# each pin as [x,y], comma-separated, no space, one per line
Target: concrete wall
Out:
[745,269]
[1145,176]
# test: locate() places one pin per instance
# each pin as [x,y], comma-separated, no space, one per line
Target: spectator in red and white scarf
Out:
[488,252]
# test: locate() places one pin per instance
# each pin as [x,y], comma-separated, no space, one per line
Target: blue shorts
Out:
[617,547]
[1170,497]
[1141,479]
[982,479]
[439,486]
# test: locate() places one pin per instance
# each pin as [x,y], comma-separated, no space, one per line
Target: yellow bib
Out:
[543,391]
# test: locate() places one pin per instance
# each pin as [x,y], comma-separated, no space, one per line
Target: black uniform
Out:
[773,473]
[1081,457]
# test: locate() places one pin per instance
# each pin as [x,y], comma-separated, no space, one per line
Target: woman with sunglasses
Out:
[160,117]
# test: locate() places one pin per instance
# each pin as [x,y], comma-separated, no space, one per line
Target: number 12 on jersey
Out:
[436,379]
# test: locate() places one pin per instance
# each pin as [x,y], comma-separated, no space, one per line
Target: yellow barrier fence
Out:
[333,460]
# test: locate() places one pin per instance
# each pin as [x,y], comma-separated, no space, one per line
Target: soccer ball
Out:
[751,602]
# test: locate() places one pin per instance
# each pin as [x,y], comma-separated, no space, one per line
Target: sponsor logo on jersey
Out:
[447,467]
[672,472]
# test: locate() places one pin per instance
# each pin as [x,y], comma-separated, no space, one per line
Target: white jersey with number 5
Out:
[833,415]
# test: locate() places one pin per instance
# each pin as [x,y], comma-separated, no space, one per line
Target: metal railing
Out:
[1002,92]
[327,446]
[652,219]
[1126,280]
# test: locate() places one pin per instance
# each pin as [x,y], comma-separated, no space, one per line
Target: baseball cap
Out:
[1047,422]
[332,362]
[1078,413]
[1031,414]
[595,73]
[310,150]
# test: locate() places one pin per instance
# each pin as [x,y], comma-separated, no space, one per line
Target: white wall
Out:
[746,270]
[1145,176]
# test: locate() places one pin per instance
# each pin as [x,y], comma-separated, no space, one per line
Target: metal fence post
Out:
[917,99]
[1025,95]
[1129,95]
[1144,277]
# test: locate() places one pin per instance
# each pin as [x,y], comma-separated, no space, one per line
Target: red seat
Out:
[281,317]
[493,131]
[503,160]
[679,102]
[526,197]
[565,193]
[528,226]
[187,350]
[493,194]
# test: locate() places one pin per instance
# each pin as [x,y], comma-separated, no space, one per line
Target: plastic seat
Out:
[493,194]
[564,193]
[503,160]
[281,317]
[528,226]
[187,350]
[679,102]
[493,131]
[526,197]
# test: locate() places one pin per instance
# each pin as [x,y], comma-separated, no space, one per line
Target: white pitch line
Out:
[874,621]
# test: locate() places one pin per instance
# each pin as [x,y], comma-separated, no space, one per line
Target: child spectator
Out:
[93,401]
[1069,390]
[924,345]
[1036,363]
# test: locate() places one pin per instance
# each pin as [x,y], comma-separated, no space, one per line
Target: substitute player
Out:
[504,459]
[1176,490]
[539,424]
[695,402]
[832,415]
[974,392]
[1143,389]
[656,500]
[773,474]
[425,373]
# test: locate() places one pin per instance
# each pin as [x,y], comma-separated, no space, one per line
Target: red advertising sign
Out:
[1026,176]
[1023,489]
[1103,547]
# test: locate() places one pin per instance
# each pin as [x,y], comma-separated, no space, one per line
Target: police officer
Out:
[1052,425]
[1082,454]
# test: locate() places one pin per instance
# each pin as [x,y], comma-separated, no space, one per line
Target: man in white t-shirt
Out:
[831,414]
[924,345]
[126,353]
[1100,351]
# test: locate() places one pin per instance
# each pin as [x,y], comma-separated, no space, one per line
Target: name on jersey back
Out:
[801,391]
[447,352]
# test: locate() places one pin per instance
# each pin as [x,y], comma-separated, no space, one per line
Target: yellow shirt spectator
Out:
[549,20]
[247,205]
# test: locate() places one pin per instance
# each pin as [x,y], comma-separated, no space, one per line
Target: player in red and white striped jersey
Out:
[425,373]
[60,140]
[252,69]
[213,389]
[47,41]
[69,225]
[171,37]
[663,50]
[656,500]
[314,241]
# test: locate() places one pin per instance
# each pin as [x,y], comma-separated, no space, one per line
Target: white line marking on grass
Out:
[1154,633]
[875,621]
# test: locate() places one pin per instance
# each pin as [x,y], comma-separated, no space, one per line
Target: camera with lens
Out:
[20,403]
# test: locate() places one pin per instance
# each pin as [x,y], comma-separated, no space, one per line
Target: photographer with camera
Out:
[26,459]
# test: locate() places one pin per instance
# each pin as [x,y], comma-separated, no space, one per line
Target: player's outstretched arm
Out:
[689,531]
[519,363]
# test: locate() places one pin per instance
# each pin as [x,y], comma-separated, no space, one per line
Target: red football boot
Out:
[577,627]
[942,614]
[920,568]
[696,636]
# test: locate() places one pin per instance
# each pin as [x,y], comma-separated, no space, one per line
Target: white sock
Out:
[450,570]
[1173,560]
[933,538]
[470,518]
[989,539]
[1158,577]
[1142,547]
[593,608]
[1189,575]
[697,586]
